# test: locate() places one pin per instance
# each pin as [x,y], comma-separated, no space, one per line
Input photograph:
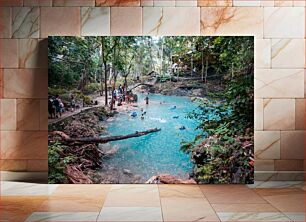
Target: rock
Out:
[112,151]
[126,171]
[169,179]
[197,92]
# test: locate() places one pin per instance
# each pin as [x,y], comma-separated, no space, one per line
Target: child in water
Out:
[147,100]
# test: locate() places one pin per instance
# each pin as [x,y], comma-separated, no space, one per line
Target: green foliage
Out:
[223,152]
[87,100]
[56,91]
[91,88]
[56,163]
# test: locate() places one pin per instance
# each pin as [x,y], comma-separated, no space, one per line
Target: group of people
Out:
[118,95]
[56,106]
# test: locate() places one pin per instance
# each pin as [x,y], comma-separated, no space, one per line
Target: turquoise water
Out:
[158,152]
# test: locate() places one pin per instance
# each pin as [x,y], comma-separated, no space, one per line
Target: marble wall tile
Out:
[279,83]
[28,114]
[278,22]
[296,216]
[300,114]
[5,22]
[8,114]
[25,83]
[264,165]
[252,216]
[130,214]
[1,83]
[258,117]
[162,3]
[126,21]
[267,145]
[220,3]
[292,145]
[230,194]
[179,191]
[284,49]
[284,3]
[186,3]
[95,21]
[299,3]
[5,3]
[74,3]
[232,21]
[146,2]
[63,216]
[8,53]
[238,3]
[18,208]
[24,145]
[160,21]
[33,53]
[289,165]
[43,114]
[91,191]
[13,165]
[51,17]
[279,114]
[117,3]
[187,209]
[133,196]
[37,2]
[37,165]
[262,53]
[305,83]
[25,22]
[267,3]
[244,208]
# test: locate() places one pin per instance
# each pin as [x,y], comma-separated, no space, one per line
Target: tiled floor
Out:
[171,203]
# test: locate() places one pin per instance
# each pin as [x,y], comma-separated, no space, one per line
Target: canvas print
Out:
[151,109]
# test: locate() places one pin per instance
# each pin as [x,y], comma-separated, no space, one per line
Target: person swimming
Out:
[134,114]
[173,107]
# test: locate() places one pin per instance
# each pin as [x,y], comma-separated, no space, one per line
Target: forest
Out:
[99,84]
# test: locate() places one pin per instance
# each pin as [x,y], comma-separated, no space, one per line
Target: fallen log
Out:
[68,139]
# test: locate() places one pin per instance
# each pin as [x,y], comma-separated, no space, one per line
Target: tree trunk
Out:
[107,139]
[105,72]
[206,69]
[202,61]
[191,65]
[125,85]
[105,84]
[171,72]
[113,88]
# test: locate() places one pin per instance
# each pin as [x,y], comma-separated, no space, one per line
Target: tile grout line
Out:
[161,208]
[209,203]
[110,187]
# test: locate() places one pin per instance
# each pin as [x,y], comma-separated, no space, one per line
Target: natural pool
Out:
[159,152]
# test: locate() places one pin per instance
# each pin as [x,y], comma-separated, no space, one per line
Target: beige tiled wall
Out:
[278,27]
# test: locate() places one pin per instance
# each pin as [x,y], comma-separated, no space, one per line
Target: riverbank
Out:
[190,88]
[85,163]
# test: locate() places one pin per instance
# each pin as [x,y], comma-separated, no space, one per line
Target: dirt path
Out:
[101,102]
